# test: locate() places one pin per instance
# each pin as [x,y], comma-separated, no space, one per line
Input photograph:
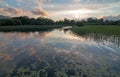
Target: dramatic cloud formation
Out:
[39,11]
[11,11]
[58,9]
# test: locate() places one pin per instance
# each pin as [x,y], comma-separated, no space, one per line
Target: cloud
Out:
[77,0]
[24,9]
[3,11]
[39,3]
[14,11]
[58,8]
[42,1]
[40,12]
[10,11]
[0,2]
[83,11]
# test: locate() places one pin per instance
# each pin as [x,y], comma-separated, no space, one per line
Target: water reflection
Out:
[107,40]
[58,50]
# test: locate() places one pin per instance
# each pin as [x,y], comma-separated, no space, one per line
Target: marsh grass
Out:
[108,30]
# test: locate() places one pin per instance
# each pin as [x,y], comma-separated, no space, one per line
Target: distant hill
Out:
[111,18]
[4,17]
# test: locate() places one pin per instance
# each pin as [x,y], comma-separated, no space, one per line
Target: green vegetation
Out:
[31,24]
[61,65]
[106,29]
[47,62]
[26,28]
[25,23]
[79,23]
[119,24]
[24,20]
[95,21]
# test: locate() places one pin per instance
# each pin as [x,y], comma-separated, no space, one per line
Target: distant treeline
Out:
[24,20]
[91,21]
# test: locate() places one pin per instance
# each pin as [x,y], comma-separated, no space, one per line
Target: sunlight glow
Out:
[79,14]
[82,11]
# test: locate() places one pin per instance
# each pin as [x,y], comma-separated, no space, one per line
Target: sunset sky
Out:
[59,9]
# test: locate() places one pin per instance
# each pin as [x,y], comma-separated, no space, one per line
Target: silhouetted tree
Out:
[79,23]
[16,22]
[24,19]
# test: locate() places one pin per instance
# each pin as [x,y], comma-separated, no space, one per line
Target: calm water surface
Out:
[90,55]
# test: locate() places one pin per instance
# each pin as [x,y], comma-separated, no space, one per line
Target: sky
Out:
[60,9]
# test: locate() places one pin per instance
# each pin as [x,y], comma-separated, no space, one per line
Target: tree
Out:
[118,24]
[9,22]
[2,22]
[66,21]
[79,24]
[24,19]
[16,22]
[33,21]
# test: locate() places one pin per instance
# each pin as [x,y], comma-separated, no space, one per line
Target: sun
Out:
[80,16]
[81,13]
[77,16]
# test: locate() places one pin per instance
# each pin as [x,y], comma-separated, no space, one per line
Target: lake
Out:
[58,53]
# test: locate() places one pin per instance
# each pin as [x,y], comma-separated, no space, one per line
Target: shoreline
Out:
[27,28]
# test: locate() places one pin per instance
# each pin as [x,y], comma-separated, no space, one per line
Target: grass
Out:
[26,28]
[114,30]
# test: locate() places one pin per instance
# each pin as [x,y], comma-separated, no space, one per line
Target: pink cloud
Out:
[10,11]
[40,12]
[3,11]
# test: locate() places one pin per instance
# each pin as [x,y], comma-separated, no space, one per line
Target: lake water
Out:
[58,53]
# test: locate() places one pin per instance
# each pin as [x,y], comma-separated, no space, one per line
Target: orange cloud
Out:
[39,11]
[14,11]
[9,11]
[3,11]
